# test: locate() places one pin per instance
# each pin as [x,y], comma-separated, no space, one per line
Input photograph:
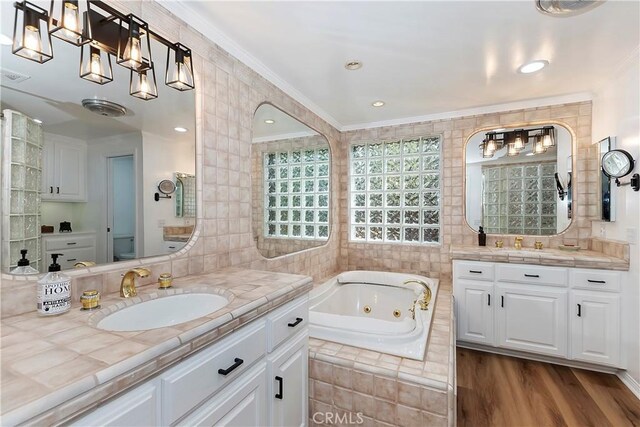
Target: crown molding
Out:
[180,9]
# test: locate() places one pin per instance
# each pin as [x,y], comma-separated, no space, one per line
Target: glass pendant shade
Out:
[143,84]
[69,21]
[179,72]
[548,136]
[31,38]
[95,65]
[538,146]
[134,45]
[518,141]
[488,148]
[512,150]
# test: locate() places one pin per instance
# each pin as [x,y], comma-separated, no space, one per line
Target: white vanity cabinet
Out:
[64,173]
[74,247]
[566,313]
[256,376]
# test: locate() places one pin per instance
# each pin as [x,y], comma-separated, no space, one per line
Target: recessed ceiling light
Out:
[533,66]
[180,129]
[269,121]
[377,103]
[5,40]
[354,64]
[38,121]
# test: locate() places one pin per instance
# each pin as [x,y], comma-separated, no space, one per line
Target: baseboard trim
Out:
[630,382]
[542,358]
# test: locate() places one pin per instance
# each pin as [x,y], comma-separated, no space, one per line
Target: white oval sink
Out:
[162,312]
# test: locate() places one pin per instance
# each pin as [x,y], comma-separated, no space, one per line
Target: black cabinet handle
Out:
[51,190]
[579,310]
[532,275]
[296,323]
[596,281]
[57,190]
[237,362]
[475,271]
[280,393]
[71,243]
[72,259]
[501,300]
[488,299]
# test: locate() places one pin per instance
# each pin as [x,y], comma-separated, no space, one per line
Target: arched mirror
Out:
[520,180]
[291,182]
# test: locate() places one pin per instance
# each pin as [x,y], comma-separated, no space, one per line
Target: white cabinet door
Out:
[48,178]
[242,403]
[138,407]
[288,383]
[532,318]
[64,172]
[595,327]
[475,308]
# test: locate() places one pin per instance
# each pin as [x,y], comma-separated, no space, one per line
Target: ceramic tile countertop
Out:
[54,367]
[552,257]
[177,237]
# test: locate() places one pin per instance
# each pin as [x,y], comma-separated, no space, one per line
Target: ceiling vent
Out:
[566,7]
[9,76]
[104,107]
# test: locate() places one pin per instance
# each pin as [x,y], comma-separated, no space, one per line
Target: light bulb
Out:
[71,19]
[518,144]
[133,52]
[32,42]
[144,84]
[491,145]
[538,146]
[96,65]
[512,150]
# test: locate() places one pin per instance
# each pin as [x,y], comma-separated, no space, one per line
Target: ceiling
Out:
[54,92]
[421,58]
[284,126]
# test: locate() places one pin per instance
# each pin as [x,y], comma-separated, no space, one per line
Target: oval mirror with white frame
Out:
[91,168]
[519,180]
[291,182]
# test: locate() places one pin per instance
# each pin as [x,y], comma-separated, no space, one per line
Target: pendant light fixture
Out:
[548,136]
[95,65]
[31,38]
[142,84]
[134,45]
[512,150]
[538,147]
[69,21]
[179,72]
[519,139]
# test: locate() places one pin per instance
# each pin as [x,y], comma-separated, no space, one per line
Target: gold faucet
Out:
[518,243]
[128,284]
[426,296]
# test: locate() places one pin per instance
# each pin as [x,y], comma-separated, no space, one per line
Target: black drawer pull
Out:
[57,190]
[488,299]
[237,362]
[501,301]
[72,259]
[596,281]
[532,275]
[296,323]
[71,243]
[280,393]
[51,190]
[579,310]
[475,271]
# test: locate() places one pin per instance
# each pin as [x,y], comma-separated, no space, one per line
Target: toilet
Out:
[123,248]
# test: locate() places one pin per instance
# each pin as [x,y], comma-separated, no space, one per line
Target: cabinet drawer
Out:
[534,274]
[285,321]
[70,242]
[600,280]
[473,270]
[185,386]
[171,246]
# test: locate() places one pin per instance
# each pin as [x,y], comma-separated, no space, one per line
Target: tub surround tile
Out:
[85,365]
[552,257]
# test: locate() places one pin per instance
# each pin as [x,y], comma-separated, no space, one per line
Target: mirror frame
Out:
[331,184]
[574,181]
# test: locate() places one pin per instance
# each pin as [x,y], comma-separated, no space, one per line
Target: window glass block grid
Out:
[395,190]
[21,182]
[519,199]
[296,192]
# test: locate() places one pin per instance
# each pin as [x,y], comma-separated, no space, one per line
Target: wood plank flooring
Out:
[495,390]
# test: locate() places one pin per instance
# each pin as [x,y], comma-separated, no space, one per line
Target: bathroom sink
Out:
[162,312]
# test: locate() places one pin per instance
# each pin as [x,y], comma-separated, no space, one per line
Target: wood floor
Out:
[496,390]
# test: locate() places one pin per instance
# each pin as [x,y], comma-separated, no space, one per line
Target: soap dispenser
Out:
[482,237]
[23,268]
[54,291]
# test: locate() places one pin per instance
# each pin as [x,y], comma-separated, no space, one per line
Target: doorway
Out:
[121,208]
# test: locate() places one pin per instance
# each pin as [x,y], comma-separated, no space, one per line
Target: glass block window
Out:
[519,199]
[395,191]
[297,194]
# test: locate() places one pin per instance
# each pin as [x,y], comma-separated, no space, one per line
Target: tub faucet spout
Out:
[426,295]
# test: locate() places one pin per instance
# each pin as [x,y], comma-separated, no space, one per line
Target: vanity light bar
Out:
[109,32]
[516,141]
